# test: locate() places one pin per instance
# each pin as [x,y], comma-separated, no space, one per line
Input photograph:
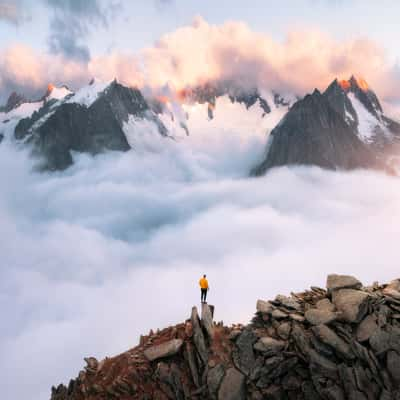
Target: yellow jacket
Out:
[203,283]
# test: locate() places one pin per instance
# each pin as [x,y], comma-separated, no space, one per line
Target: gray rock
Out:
[234,334]
[283,330]
[214,379]
[278,314]
[395,285]
[367,327]
[322,365]
[198,336]
[325,304]
[232,386]
[243,354]
[163,350]
[380,341]
[335,282]
[393,366]
[264,307]
[269,345]
[297,317]
[329,337]
[207,320]
[288,302]
[316,316]
[388,291]
[191,359]
[353,304]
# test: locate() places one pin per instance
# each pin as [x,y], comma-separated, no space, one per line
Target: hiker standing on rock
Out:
[204,288]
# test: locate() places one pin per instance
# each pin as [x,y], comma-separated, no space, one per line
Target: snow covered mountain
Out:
[93,119]
[109,116]
[343,128]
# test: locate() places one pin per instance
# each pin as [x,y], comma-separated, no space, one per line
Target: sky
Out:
[69,42]
[94,256]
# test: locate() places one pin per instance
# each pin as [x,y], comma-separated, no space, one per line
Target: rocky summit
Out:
[342,342]
[343,128]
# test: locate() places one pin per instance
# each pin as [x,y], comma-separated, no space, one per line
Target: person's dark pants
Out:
[203,295]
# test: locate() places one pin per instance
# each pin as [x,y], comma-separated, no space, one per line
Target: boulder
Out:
[353,304]
[335,282]
[288,302]
[207,319]
[232,386]
[388,291]
[316,317]
[278,314]
[243,355]
[395,285]
[283,330]
[322,365]
[163,350]
[327,336]
[367,328]
[264,307]
[198,336]
[269,345]
[297,317]
[214,379]
[325,304]
[393,366]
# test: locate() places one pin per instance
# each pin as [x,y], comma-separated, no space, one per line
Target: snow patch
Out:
[228,117]
[87,95]
[143,134]
[368,124]
[58,93]
[8,121]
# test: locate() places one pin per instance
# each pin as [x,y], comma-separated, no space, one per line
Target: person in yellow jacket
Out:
[204,288]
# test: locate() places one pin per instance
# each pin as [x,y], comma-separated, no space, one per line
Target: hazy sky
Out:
[129,25]
[288,46]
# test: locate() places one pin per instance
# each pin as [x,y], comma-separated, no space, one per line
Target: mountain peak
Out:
[56,93]
[355,82]
[14,100]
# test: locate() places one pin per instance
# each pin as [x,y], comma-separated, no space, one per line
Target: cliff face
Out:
[342,342]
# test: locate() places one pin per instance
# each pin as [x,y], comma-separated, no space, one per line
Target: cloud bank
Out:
[96,255]
[202,52]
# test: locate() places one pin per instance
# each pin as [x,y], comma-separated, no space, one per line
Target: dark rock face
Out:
[314,133]
[208,93]
[54,133]
[13,101]
[338,359]
[325,130]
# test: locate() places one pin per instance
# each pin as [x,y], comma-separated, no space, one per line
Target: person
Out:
[204,288]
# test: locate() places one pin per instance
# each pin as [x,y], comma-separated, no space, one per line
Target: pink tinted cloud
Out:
[202,52]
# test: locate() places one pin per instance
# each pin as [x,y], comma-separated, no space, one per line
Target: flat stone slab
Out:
[335,282]
[318,317]
[353,304]
[207,320]
[264,307]
[269,345]
[163,350]
[232,386]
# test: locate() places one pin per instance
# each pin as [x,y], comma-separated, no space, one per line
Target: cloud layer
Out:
[203,52]
[94,256]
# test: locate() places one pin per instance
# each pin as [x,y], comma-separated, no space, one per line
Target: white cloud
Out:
[94,256]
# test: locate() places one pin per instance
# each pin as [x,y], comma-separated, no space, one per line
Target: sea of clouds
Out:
[96,255]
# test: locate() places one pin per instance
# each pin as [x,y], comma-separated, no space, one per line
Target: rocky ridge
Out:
[342,128]
[342,342]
